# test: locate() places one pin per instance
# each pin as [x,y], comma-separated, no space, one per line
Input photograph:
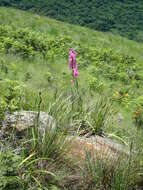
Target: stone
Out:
[100,147]
[23,120]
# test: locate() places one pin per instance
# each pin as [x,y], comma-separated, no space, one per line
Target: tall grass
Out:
[116,174]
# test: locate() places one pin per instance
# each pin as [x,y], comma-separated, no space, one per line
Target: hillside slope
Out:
[106,99]
[122,16]
[34,52]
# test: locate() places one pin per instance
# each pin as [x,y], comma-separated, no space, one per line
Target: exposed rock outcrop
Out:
[100,147]
[22,120]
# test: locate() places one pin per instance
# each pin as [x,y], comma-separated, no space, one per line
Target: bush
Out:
[96,85]
[9,171]
[29,44]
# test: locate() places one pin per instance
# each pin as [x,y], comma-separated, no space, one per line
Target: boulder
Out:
[22,120]
[99,147]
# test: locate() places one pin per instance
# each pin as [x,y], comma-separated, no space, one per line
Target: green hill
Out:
[106,99]
[119,16]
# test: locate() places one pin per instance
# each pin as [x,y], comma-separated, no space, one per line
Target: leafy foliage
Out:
[12,93]
[9,171]
[28,43]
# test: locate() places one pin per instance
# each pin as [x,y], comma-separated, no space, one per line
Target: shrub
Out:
[96,85]
[9,171]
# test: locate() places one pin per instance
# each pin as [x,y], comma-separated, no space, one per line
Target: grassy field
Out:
[34,58]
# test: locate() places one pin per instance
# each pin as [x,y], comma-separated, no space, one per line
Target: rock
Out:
[24,119]
[100,147]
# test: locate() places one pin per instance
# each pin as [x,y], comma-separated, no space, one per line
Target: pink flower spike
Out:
[75,72]
[72,59]
[72,63]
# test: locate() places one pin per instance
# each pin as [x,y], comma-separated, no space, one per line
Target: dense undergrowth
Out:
[34,76]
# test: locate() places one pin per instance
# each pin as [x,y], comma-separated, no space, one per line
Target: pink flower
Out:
[72,59]
[75,73]
[72,63]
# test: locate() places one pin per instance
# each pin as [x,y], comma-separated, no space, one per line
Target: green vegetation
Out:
[119,16]
[34,75]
